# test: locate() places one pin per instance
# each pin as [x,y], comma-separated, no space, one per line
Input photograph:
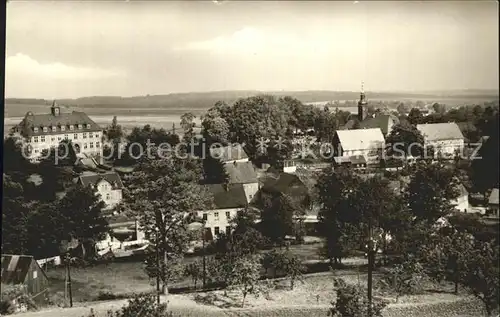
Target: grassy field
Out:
[312,297]
[124,278]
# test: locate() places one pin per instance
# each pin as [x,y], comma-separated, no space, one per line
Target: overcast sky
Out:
[73,49]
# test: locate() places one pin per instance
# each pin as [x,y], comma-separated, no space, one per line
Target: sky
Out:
[70,49]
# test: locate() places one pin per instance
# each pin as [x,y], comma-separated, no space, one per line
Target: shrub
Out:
[353,301]
[12,296]
[139,306]
[404,279]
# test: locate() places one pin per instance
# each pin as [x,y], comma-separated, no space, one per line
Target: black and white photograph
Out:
[250,158]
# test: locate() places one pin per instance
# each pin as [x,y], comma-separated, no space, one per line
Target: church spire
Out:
[362,103]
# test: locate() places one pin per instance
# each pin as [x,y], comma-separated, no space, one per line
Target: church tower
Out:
[55,110]
[362,104]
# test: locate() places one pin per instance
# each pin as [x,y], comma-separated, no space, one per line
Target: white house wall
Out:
[111,197]
[251,190]
[218,218]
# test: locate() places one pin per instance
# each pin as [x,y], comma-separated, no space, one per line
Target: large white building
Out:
[445,138]
[44,131]
[368,143]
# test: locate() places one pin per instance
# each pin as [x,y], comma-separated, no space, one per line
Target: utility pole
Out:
[68,274]
[157,270]
[204,257]
[370,265]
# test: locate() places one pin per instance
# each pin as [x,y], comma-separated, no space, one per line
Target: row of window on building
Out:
[67,137]
[216,215]
[217,230]
[85,146]
[63,128]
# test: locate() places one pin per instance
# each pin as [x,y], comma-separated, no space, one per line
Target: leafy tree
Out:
[13,158]
[482,275]
[446,255]
[430,191]
[245,276]
[194,270]
[81,213]
[485,166]
[403,108]
[352,301]
[163,194]
[335,190]
[277,217]
[405,140]
[405,278]
[114,131]
[188,125]
[215,128]
[139,306]
[15,217]
[214,171]
[415,116]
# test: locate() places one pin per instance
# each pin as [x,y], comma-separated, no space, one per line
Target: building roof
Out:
[361,139]
[357,159]
[229,153]
[493,200]
[63,119]
[241,172]
[440,131]
[15,268]
[93,178]
[230,196]
[381,121]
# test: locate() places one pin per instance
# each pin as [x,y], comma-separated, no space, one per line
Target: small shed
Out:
[24,270]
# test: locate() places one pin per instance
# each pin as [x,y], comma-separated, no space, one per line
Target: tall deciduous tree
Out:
[245,276]
[404,140]
[163,195]
[335,190]
[430,192]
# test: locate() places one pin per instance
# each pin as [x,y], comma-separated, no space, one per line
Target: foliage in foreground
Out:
[139,306]
[11,297]
[353,301]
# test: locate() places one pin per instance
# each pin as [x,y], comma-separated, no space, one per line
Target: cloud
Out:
[23,65]
[249,40]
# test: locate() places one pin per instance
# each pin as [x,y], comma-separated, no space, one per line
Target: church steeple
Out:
[54,109]
[362,103]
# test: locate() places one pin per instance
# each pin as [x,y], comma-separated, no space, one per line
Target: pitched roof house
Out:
[109,186]
[440,131]
[25,270]
[227,200]
[241,172]
[446,138]
[365,142]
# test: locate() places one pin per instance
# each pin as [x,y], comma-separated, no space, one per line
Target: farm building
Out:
[24,270]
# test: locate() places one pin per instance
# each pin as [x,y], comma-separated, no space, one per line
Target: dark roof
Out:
[357,159]
[348,125]
[63,119]
[229,153]
[15,268]
[380,121]
[493,200]
[241,172]
[93,178]
[285,184]
[232,196]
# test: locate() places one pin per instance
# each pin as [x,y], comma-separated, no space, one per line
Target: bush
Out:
[12,297]
[139,306]
[404,279]
[353,301]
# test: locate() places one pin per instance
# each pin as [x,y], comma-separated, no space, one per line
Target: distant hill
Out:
[204,100]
